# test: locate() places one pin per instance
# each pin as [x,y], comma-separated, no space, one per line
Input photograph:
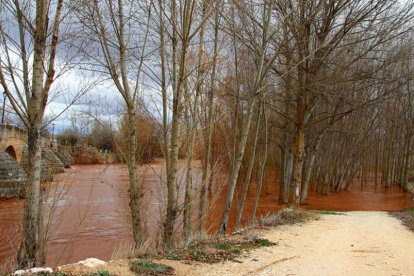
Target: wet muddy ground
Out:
[90,203]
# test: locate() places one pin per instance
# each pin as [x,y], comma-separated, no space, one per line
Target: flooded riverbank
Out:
[91,209]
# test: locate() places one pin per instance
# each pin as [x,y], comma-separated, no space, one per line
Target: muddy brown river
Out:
[89,204]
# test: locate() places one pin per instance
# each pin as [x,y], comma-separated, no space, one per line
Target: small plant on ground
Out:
[148,267]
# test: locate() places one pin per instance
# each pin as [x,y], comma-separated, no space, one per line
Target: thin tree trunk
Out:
[261,170]
[256,92]
[205,179]
[235,171]
[306,178]
[249,172]
[190,155]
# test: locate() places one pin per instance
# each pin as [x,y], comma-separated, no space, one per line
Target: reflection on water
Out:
[91,208]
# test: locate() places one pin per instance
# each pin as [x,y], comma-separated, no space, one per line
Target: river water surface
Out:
[90,208]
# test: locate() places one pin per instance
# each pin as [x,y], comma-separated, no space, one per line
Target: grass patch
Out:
[288,216]
[148,267]
[406,217]
[213,251]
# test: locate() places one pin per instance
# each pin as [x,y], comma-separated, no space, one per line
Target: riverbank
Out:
[348,243]
[91,218]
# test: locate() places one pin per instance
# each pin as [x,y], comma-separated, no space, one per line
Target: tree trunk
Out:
[298,153]
[235,170]
[27,255]
[171,185]
[261,170]
[306,177]
[134,186]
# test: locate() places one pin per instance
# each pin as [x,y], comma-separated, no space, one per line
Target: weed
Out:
[223,246]
[199,255]
[173,256]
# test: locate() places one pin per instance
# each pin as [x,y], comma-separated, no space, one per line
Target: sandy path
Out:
[356,243]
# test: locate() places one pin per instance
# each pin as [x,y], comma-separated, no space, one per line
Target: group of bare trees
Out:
[320,89]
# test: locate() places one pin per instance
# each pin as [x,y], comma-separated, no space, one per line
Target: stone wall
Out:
[12,177]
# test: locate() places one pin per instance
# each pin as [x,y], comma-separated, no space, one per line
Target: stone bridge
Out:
[13,140]
[13,160]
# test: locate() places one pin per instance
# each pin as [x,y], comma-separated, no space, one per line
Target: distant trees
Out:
[148,139]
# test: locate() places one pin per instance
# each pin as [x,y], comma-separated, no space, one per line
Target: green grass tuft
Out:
[262,242]
[148,267]
[223,246]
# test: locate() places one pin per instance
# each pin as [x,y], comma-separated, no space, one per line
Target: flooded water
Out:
[91,216]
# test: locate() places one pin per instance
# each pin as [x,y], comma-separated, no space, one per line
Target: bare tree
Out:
[27,71]
[116,28]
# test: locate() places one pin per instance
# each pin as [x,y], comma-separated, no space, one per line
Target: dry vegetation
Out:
[406,217]
[288,216]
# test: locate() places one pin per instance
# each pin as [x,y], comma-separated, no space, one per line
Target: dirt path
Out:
[356,243]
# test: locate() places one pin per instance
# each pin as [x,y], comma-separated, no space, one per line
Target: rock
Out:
[91,262]
[34,271]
